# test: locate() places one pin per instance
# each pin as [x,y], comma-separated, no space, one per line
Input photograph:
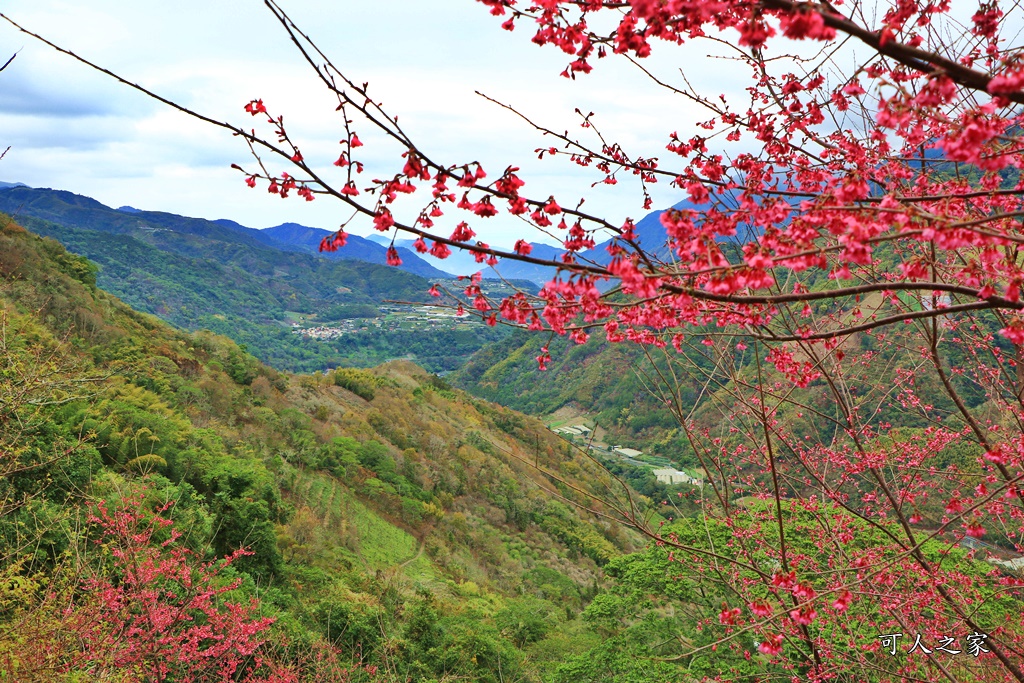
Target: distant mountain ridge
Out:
[650,233]
[296,237]
[241,282]
[85,212]
[66,208]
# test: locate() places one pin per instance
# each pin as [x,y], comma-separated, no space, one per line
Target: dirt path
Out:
[414,557]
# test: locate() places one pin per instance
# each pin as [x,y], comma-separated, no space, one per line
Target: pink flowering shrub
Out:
[153,611]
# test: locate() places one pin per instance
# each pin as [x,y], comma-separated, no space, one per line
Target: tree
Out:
[151,610]
[843,281]
[157,613]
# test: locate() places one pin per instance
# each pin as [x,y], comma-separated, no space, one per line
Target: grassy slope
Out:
[337,494]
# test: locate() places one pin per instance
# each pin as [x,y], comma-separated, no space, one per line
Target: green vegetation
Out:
[199,274]
[656,601]
[387,513]
[604,380]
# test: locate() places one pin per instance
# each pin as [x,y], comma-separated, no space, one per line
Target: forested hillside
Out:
[388,521]
[244,284]
[620,386]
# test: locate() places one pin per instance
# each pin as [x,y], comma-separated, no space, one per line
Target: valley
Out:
[251,287]
[382,507]
[392,497]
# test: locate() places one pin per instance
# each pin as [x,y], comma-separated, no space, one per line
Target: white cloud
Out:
[73,129]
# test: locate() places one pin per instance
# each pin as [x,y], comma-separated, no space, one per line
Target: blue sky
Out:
[74,129]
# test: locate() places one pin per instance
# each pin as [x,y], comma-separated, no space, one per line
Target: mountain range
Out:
[244,283]
[254,285]
[649,231]
[77,211]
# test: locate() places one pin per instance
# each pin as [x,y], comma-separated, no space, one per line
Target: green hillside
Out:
[617,386]
[394,527]
[386,512]
[608,384]
[199,274]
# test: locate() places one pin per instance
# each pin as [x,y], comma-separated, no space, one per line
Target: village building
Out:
[671,477]
[1015,565]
